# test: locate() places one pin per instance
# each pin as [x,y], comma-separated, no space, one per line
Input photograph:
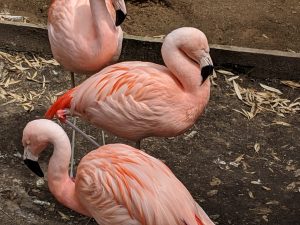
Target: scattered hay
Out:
[19,68]
[269,100]
[291,84]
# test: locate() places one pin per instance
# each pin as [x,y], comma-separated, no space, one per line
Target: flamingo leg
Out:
[103,137]
[138,144]
[75,128]
[72,150]
[62,116]
[73,133]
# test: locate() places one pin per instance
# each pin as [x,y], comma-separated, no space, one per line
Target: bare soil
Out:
[240,171]
[269,24]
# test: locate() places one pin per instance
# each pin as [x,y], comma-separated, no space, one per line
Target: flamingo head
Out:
[121,11]
[194,44]
[34,142]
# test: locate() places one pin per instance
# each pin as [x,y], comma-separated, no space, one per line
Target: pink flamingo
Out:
[115,184]
[135,100]
[85,35]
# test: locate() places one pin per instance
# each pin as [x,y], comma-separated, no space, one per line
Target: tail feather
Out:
[62,102]
[199,222]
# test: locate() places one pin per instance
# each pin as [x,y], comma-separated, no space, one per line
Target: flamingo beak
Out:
[206,66]
[31,162]
[120,17]
[121,11]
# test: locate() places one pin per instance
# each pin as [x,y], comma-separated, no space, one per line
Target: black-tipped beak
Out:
[206,66]
[207,71]
[34,167]
[120,17]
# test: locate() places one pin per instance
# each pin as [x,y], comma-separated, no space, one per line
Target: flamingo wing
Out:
[126,93]
[122,185]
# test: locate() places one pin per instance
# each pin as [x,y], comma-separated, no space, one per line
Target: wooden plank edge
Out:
[24,37]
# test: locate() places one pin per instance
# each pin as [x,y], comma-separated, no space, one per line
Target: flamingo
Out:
[115,184]
[85,36]
[137,99]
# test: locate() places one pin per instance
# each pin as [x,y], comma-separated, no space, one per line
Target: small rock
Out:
[39,202]
[212,193]
[291,186]
[215,181]
[214,217]
[18,155]
[190,135]
[265,218]
[258,182]
[297,173]
[40,182]
[266,188]
[251,195]
[274,202]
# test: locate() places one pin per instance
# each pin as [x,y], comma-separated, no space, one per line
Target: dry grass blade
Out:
[237,90]
[270,89]
[9,102]
[232,78]
[225,72]
[257,147]
[50,61]
[21,68]
[240,158]
[281,123]
[243,113]
[64,216]
[291,84]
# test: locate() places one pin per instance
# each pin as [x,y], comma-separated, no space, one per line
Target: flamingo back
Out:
[122,185]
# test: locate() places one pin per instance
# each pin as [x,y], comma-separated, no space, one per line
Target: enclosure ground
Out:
[240,171]
[269,24]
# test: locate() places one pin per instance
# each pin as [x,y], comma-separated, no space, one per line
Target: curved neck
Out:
[105,28]
[59,182]
[185,69]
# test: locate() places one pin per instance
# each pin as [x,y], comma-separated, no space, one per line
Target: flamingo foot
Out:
[62,114]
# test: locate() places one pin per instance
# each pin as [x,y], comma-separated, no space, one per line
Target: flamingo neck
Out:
[183,67]
[105,28]
[59,182]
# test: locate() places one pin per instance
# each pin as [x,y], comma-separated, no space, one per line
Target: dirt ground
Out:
[240,170]
[268,24]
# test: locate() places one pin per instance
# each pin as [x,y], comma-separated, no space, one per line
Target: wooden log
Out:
[258,63]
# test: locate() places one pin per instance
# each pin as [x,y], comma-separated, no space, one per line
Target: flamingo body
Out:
[82,34]
[137,99]
[115,184]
